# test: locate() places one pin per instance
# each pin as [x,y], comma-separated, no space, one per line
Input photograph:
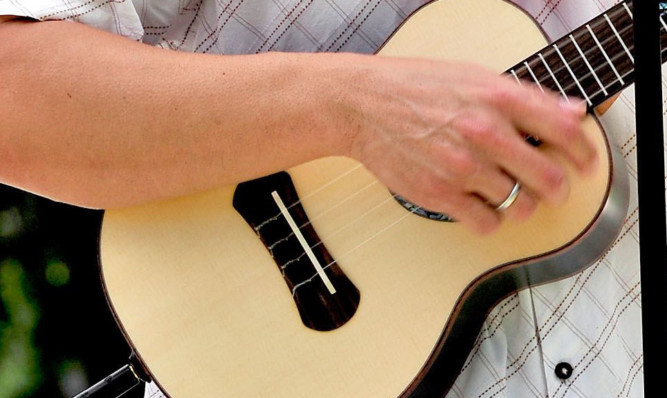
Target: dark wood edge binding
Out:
[482,294]
[137,355]
[485,292]
[526,13]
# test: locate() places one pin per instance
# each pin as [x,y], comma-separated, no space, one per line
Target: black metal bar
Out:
[119,382]
[650,165]
[113,386]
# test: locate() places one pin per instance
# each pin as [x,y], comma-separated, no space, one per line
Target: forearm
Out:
[98,120]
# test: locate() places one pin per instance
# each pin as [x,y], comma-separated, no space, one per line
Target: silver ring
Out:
[510,198]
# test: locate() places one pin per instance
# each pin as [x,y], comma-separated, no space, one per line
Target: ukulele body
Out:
[203,303]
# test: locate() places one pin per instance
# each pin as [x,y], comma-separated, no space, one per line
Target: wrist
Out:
[341,88]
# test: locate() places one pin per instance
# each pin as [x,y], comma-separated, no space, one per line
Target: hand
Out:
[450,138]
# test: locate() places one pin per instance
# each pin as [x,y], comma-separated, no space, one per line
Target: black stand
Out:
[650,164]
[118,383]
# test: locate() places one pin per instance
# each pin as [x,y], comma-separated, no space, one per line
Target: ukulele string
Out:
[567,87]
[579,33]
[549,52]
[364,241]
[359,218]
[373,183]
[359,245]
[571,86]
[310,194]
[323,213]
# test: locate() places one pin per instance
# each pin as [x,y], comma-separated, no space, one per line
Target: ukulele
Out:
[319,282]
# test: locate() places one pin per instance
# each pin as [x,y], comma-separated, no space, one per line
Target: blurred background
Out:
[57,335]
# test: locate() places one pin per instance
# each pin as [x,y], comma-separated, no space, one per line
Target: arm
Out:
[100,121]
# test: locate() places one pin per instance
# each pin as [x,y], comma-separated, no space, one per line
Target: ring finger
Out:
[495,187]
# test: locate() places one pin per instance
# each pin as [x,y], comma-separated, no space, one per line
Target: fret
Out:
[604,53]
[533,72]
[596,53]
[615,48]
[583,57]
[551,73]
[574,77]
[553,77]
[592,63]
[625,5]
[618,36]
[585,71]
[598,76]
[539,73]
[535,79]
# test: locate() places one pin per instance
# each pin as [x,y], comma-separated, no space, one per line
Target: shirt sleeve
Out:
[115,16]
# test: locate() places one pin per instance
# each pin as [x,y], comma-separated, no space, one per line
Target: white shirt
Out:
[591,320]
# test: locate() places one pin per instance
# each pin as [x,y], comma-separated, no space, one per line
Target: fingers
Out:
[479,214]
[494,140]
[471,198]
[504,147]
[550,117]
[454,143]
[499,156]
[496,187]
[555,121]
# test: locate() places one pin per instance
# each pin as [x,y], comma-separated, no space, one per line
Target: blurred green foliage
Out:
[57,335]
[19,369]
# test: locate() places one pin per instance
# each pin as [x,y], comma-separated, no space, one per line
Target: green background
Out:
[57,335]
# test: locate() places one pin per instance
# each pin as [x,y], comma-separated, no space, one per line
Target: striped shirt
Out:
[590,321]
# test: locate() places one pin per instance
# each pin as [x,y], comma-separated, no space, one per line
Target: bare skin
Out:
[97,120]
